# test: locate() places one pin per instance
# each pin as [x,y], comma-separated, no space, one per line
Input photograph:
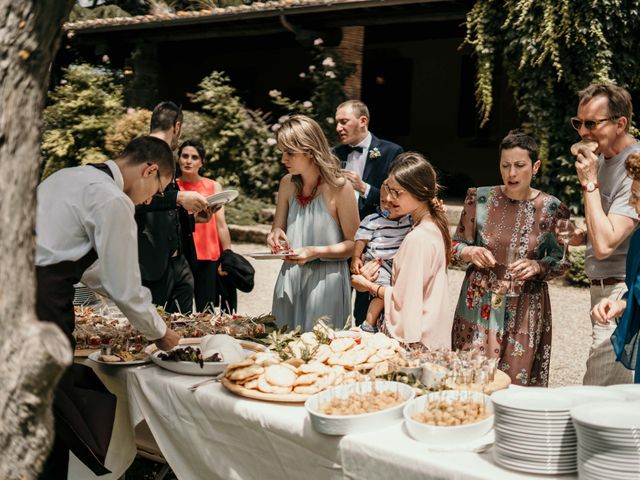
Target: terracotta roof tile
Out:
[215,12]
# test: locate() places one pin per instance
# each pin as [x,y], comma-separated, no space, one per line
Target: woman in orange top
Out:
[211,236]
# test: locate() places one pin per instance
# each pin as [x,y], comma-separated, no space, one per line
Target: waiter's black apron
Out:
[84,409]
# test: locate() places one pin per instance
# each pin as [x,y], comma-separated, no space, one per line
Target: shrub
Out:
[129,126]
[236,139]
[576,275]
[82,107]
[326,77]
[245,211]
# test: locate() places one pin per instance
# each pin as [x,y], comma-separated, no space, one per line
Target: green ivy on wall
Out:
[549,50]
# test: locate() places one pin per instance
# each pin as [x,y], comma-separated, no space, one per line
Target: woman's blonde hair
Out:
[415,174]
[632,164]
[300,133]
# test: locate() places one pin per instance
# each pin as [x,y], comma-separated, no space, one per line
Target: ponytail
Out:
[439,215]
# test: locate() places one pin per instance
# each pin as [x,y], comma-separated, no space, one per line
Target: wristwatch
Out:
[590,186]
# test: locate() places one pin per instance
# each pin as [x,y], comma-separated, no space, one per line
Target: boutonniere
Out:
[374,153]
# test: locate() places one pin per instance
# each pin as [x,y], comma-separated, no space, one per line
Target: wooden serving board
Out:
[500,381]
[258,395]
[84,352]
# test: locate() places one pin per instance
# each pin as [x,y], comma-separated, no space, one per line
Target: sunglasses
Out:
[588,124]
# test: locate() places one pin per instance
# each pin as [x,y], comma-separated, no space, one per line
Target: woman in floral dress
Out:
[516,330]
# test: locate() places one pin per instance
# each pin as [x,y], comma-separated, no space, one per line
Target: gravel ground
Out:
[570,306]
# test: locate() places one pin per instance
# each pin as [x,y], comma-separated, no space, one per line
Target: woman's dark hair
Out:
[195,144]
[415,174]
[518,139]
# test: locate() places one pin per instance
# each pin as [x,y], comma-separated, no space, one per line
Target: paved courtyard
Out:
[570,306]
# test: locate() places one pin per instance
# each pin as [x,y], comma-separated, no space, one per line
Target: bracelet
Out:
[378,291]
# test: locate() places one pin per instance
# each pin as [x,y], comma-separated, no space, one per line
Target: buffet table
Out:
[212,433]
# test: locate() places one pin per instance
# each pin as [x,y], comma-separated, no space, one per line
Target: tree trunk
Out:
[33,354]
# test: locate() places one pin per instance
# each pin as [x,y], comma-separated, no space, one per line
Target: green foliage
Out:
[550,49]
[84,105]
[245,211]
[129,126]
[576,275]
[237,140]
[326,76]
[79,13]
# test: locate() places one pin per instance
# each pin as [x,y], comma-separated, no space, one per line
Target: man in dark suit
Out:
[365,161]
[165,227]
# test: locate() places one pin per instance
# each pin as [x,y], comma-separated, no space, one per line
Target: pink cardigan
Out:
[415,306]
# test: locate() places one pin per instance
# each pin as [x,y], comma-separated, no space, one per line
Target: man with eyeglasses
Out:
[85,219]
[604,115]
[165,226]
[365,161]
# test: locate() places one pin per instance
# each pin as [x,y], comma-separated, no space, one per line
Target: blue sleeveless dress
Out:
[304,293]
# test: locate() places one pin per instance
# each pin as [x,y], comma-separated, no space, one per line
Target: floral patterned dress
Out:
[516,330]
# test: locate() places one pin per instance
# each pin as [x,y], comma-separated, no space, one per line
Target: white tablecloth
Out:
[212,433]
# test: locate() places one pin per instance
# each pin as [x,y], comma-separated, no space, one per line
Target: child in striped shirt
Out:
[379,236]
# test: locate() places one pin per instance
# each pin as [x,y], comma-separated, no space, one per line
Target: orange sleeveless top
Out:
[205,236]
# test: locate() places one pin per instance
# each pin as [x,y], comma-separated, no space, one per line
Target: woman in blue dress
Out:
[316,217]
[625,336]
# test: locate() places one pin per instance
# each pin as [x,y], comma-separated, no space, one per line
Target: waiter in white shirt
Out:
[366,160]
[85,214]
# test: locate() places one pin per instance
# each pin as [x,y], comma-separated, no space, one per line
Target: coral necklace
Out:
[305,200]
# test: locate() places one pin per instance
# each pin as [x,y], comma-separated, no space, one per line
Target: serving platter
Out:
[95,356]
[192,368]
[258,395]
[268,256]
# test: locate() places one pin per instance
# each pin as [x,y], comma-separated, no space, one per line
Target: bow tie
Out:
[354,149]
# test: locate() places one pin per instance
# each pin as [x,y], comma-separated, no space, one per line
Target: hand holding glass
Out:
[512,256]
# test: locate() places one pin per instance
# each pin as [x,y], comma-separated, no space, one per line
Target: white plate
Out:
[616,417]
[95,356]
[222,197]
[521,466]
[532,452]
[268,256]
[192,368]
[532,400]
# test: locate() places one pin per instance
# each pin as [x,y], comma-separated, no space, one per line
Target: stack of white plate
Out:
[608,440]
[630,390]
[533,431]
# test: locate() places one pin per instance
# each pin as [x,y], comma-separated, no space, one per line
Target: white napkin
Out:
[228,347]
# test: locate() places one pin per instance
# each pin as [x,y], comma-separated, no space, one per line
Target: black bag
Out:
[240,276]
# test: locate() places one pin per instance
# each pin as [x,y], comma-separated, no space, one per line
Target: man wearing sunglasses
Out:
[604,115]
[165,226]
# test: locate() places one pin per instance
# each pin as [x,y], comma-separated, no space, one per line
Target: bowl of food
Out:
[358,407]
[449,417]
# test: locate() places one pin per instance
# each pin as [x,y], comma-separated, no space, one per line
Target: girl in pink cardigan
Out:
[415,304]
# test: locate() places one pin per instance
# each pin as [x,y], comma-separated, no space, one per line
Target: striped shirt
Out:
[383,235]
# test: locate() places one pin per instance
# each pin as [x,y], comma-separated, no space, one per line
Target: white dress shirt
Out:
[82,208]
[356,162]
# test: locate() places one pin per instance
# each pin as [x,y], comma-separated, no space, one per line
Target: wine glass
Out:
[512,256]
[564,229]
